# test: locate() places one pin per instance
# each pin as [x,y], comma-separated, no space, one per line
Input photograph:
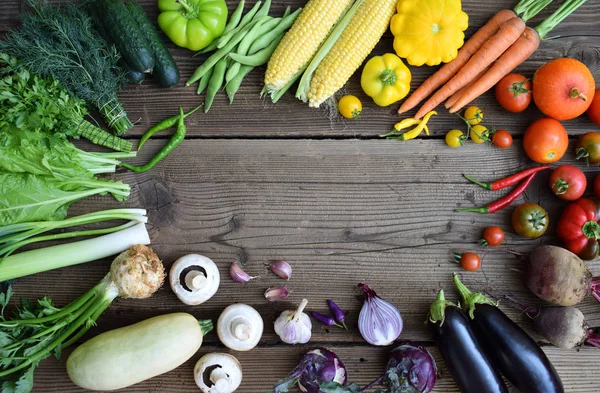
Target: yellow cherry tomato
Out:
[455,138]
[349,107]
[479,133]
[473,115]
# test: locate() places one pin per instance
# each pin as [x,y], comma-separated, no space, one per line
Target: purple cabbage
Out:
[316,367]
[411,369]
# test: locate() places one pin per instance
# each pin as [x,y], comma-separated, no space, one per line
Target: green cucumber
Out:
[165,68]
[125,33]
[134,77]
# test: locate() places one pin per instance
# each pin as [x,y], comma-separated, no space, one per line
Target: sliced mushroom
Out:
[218,373]
[194,279]
[240,327]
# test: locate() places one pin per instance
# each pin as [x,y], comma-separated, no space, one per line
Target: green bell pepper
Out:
[192,24]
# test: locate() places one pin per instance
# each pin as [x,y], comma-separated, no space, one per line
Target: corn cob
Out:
[302,41]
[351,49]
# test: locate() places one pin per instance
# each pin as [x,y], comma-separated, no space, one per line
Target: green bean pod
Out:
[215,83]
[233,86]
[234,20]
[264,40]
[246,20]
[164,124]
[264,10]
[204,81]
[259,58]
[215,57]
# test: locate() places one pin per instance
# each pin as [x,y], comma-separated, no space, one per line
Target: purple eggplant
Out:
[461,351]
[510,349]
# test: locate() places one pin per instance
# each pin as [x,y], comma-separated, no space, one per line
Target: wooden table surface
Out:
[256,181]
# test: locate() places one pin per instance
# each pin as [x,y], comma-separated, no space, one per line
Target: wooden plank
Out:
[251,116]
[262,367]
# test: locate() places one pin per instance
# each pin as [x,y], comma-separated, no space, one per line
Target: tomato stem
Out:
[576,93]
[561,187]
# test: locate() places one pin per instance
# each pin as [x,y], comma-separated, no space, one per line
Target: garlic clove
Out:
[281,268]
[277,293]
[238,274]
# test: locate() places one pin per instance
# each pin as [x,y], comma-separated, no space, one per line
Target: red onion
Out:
[379,322]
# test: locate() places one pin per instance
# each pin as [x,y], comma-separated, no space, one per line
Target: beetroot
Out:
[564,327]
[558,276]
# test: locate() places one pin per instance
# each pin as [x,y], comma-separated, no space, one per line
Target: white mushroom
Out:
[218,373]
[240,327]
[194,279]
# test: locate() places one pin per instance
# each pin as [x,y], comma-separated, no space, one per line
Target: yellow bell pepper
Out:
[386,79]
[428,31]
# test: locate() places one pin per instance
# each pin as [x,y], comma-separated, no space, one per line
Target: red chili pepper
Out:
[504,201]
[507,181]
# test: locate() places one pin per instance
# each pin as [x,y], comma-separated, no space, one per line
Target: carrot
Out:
[448,70]
[508,33]
[524,47]
[454,97]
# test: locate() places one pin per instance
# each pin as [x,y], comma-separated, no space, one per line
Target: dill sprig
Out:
[62,42]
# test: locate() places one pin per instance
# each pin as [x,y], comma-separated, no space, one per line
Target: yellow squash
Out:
[386,79]
[428,31]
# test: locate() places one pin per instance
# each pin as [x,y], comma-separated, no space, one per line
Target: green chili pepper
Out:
[163,125]
[175,140]
[215,83]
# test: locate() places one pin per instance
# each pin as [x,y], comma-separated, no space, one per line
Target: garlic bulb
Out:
[294,327]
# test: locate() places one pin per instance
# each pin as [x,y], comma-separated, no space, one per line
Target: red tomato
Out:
[587,148]
[593,111]
[502,139]
[545,140]
[492,236]
[597,187]
[470,261]
[513,93]
[568,182]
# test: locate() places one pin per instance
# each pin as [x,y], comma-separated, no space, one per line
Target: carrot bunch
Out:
[492,52]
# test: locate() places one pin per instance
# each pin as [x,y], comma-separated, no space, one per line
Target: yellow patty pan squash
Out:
[428,31]
[386,79]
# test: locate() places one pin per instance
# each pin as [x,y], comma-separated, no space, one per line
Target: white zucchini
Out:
[131,354]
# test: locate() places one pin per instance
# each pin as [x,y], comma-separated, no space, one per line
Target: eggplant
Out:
[510,349]
[461,351]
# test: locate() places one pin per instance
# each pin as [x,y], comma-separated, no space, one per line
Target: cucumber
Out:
[128,355]
[133,77]
[165,68]
[125,33]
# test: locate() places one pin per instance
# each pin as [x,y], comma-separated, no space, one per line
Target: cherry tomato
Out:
[545,140]
[455,138]
[479,133]
[492,236]
[350,107]
[473,115]
[502,139]
[593,111]
[513,93]
[597,187]
[588,148]
[470,261]
[568,182]
[530,220]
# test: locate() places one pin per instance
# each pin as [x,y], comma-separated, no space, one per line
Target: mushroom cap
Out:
[240,327]
[225,373]
[210,279]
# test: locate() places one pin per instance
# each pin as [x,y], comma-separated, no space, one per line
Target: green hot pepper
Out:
[192,24]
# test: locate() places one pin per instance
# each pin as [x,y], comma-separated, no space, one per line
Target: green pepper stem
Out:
[388,78]
[482,210]
[487,186]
